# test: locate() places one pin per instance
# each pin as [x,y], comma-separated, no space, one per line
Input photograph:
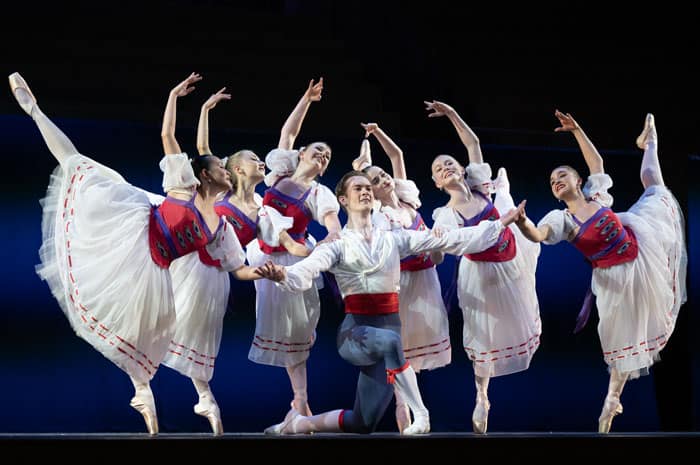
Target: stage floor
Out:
[353,448]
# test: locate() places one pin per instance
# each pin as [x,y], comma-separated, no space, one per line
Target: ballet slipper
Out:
[146,407]
[208,408]
[648,133]
[480,416]
[611,408]
[21,91]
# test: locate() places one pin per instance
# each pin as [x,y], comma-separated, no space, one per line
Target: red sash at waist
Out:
[372,304]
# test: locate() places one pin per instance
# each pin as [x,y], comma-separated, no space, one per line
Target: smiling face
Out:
[565,182]
[446,171]
[354,192]
[382,184]
[316,156]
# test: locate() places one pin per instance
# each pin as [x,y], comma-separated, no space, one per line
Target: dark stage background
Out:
[102,73]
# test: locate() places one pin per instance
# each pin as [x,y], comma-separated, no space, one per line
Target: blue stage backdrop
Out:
[52,381]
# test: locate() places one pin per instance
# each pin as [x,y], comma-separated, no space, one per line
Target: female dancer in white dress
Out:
[425,331]
[496,287]
[285,323]
[639,257]
[107,248]
[201,286]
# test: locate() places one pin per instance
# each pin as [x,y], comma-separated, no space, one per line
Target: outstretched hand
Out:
[185,87]
[313,92]
[369,128]
[216,98]
[271,271]
[515,215]
[568,123]
[437,108]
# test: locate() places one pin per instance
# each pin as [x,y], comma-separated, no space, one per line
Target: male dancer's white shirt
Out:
[373,267]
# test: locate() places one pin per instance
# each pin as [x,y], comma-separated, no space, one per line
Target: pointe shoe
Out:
[210,410]
[421,424]
[480,416]
[276,430]
[611,408]
[501,183]
[283,427]
[302,406]
[403,417]
[648,133]
[364,160]
[21,91]
[147,408]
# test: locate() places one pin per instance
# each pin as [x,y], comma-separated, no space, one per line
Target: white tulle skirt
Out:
[285,322]
[96,260]
[638,301]
[201,297]
[425,330]
[501,311]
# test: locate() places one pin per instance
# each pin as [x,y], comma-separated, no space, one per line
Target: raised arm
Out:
[392,150]
[203,126]
[167,134]
[292,126]
[529,229]
[590,153]
[467,136]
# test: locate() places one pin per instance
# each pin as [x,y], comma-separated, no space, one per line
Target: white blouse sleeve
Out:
[560,224]
[177,172]
[302,275]
[596,189]
[478,174]
[408,192]
[445,218]
[271,223]
[321,201]
[459,241]
[281,163]
[226,248]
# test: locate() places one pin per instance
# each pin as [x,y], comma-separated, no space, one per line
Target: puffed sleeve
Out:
[321,201]
[445,218]
[560,223]
[271,223]
[226,248]
[177,172]
[478,174]
[408,192]
[281,163]
[596,189]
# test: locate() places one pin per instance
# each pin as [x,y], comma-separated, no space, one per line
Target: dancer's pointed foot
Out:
[648,133]
[208,408]
[21,91]
[276,430]
[480,416]
[501,183]
[145,405]
[611,408]
[302,406]
[403,416]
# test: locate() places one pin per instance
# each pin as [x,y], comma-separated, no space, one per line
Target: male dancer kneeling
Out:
[366,264]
